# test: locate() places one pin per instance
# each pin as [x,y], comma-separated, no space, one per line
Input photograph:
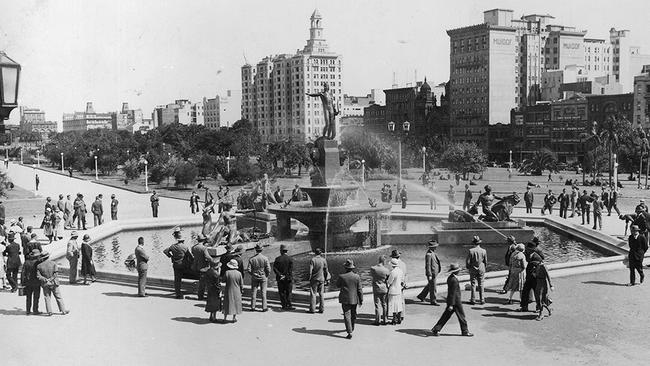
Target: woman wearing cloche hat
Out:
[232,301]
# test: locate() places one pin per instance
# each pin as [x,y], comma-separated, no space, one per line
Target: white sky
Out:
[150,52]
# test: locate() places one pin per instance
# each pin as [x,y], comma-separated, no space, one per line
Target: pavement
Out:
[596,320]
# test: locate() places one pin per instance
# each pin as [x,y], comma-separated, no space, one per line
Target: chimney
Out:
[125,107]
[89,107]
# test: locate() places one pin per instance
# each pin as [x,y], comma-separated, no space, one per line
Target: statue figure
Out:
[486,200]
[329,111]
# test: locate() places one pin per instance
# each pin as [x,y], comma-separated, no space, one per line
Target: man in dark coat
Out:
[87,264]
[467,201]
[531,282]
[12,252]
[283,268]
[379,274]
[80,211]
[142,265]
[98,211]
[350,295]
[403,196]
[201,263]
[176,252]
[549,201]
[638,246]
[529,197]
[564,199]
[29,279]
[431,270]
[454,304]
[155,202]
[114,204]
[584,203]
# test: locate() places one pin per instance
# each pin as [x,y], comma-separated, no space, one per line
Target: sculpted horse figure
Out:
[501,210]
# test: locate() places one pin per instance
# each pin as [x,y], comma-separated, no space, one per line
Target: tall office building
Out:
[274,90]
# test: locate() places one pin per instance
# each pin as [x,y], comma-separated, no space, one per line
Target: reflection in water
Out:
[556,247]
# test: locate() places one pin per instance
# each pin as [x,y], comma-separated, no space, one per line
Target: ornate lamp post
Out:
[96,174]
[406,127]
[9,79]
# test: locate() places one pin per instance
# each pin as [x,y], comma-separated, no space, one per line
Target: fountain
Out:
[329,216]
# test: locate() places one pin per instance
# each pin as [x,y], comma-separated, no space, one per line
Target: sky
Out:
[151,52]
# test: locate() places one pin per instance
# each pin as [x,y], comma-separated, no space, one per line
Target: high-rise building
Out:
[642,99]
[274,90]
[33,120]
[222,110]
[628,61]
[87,120]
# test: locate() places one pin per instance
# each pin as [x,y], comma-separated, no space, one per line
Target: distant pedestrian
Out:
[403,196]
[87,262]
[613,200]
[379,274]
[431,270]
[433,202]
[604,195]
[638,247]
[232,304]
[32,285]
[598,213]
[575,192]
[283,268]
[155,202]
[467,200]
[68,212]
[541,290]
[549,201]
[529,197]
[476,264]
[114,204]
[98,211]
[80,211]
[72,254]
[584,203]
[259,269]
[550,177]
[213,285]
[564,201]
[396,283]
[454,304]
[350,295]
[70,171]
[48,275]
[142,265]
[194,203]
[451,197]
[318,277]
[38,181]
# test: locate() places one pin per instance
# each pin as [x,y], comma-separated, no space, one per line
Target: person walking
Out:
[47,273]
[155,202]
[87,263]
[80,211]
[114,204]
[613,200]
[232,299]
[379,274]
[396,283]
[638,247]
[200,263]
[403,196]
[142,265]
[68,212]
[38,181]
[12,252]
[532,254]
[72,254]
[431,270]
[212,280]
[541,290]
[318,278]
[467,201]
[194,203]
[564,201]
[259,268]
[61,203]
[97,210]
[476,264]
[454,304]
[177,252]
[549,201]
[516,272]
[604,196]
[283,268]
[31,283]
[350,295]
[598,213]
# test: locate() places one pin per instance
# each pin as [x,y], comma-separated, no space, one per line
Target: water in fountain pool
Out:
[110,253]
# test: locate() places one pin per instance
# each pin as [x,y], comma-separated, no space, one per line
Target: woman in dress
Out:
[517,272]
[58,223]
[48,226]
[542,286]
[395,298]
[232,304]
[87,264]
[213,284]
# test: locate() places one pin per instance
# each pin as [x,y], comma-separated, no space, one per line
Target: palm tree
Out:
[541,160]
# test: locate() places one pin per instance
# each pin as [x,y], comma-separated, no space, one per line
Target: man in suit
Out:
[530,282]
[283,268]
[467,201]
[114,203]
[25,237]
[431,270]
[98,211]
[142,265]
[454,304]
[476,263]
[12,252]
[155,202]
[47,273]
[201,263]
[176,252]
[638,246]
[80,211]
[350,295]
[72,254]
[30,281]
[61,203]
[259,269]
[68,212]
[564,201]
[379,274]
[529,197]
[318,277]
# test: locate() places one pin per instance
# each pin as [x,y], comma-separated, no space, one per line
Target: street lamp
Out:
[363,173]
[616,175]
[62,169]
[146,176]
[9,79]
[406,127]
[424,159]
[96,174]
[510,161]
[38,158]
[228,163]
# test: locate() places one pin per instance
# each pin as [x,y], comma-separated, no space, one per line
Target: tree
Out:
[361,145]
[241,170]
[206,165]
[541,160]
[463,158]
[185,173]
[131,169]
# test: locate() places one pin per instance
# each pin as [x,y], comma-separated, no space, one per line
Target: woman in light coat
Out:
[395,298]
[517,272]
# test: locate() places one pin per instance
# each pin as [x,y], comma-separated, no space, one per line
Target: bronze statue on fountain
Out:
[492,212]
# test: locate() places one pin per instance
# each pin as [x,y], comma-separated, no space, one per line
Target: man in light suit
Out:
[476,262]
[379,273]
[431,270]
[350,295]
[142,259]
[454,304]
[318,277]
[72,254]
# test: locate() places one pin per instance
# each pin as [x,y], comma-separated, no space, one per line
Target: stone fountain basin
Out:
[330,196]
[339,219]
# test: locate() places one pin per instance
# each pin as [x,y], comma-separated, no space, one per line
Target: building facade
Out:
[87,120]
[274,90]
[642,99]
[126,118]
[33,120]
[181,111]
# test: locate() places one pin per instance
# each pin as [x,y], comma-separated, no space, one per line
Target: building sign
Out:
[502,41]
[571,46]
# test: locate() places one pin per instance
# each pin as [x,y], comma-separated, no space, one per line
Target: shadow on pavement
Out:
[416,332]
[194,319]
[15,311]
[492,308]
[359,321]
[607,283]
[124,294]
[525,316]
[323,332]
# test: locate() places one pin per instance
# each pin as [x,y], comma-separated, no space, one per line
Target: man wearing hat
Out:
[431,270]
[259,268]
[142,265]
[225,258]
[454,304]
[476,263]
[97,208]
[114,203]
[283,268]
[87,263]
[350,295]
[641,206]
[395,254]
[29,280]
[638,246]
[80,211]
[201,263]
[68,212]
[47,273]
[176,252]
[530,283]
[72,254]
[318,276]
[529,198]
[25,237]
[12,252]
[379,274]
[155,202]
